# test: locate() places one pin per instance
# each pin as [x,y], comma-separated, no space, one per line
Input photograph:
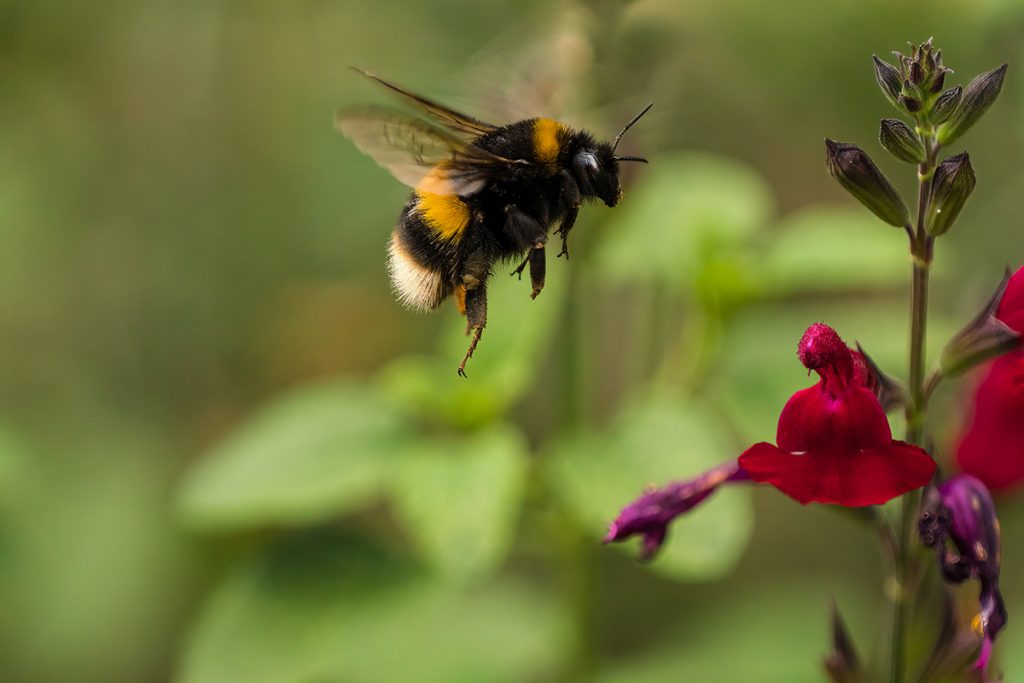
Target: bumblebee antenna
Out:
[628,126]
[640,159]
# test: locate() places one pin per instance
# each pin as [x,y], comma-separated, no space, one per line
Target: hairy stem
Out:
[921,244]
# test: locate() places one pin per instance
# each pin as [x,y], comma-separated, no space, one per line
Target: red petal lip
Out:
[992,445]
[1011,308]
[867,477]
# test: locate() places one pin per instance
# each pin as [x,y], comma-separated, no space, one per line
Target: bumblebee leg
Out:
[476,319]
[563,230]
[572,198]
[537,268]
[520,268]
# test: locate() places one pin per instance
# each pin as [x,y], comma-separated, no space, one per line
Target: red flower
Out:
[834,442]
[992,445]
[1011,307]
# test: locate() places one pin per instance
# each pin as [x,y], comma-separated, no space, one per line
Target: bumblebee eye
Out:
[586,161]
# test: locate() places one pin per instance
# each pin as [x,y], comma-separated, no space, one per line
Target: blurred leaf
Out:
[763,632]
[824,249]
[319,451]
[317,608]
[460,499]
[690,209]
[516,337]
[656,440]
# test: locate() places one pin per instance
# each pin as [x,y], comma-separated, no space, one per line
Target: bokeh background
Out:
[226,454]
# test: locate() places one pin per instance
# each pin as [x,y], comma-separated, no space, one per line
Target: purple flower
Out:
[958,520]
[651,513]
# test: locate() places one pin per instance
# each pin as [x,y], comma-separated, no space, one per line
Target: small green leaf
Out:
[319,451]
[505,362]
[460,498]
[689,209]
[656,440]
[764,619]
[319,608]
[824,249]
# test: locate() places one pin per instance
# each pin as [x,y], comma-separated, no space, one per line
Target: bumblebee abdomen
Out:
[417,284]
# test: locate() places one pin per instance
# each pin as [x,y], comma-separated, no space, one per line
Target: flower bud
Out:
[990,334]
[977,97]
[842,664]
[889,81]
[901,141]
[945,104]
[854,170]
[889,392]
[951,186]
[911,104]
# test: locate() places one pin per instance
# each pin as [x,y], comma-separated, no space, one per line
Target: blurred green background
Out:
[226,454]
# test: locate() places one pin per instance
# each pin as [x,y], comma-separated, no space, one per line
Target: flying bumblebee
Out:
[481,194]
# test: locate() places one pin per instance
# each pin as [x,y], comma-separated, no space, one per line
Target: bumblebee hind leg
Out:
[476,320]
[475,271]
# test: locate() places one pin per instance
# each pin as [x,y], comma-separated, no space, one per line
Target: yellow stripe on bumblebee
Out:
[546,143]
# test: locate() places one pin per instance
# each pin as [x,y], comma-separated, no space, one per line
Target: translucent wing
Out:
[418,154]
[449,118]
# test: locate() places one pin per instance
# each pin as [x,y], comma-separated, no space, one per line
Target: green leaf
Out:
[504,365]
[317,452]
[318,608]
[689,209]
[460,499]
[656,440]
[775,631]
[823,249]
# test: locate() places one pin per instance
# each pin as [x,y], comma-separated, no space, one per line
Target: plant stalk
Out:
[921,247]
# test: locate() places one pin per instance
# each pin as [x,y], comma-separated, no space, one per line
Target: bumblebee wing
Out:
[449,118]
[418,154]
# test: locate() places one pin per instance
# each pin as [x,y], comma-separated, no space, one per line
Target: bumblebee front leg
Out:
[572,198]
[476,320]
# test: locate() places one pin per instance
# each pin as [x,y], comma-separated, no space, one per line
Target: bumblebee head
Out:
[596,166]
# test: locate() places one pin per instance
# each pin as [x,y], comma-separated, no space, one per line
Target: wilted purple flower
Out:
[961,511]
[651,513]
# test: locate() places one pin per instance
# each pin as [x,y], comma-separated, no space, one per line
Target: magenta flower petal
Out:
[650,514]
[958,520]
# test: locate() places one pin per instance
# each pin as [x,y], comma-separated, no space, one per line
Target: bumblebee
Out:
[482,194]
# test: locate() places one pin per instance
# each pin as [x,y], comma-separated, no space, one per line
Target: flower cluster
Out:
[834,447]
[833,443]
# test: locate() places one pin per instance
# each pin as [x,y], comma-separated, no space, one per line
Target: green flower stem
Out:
[922,248]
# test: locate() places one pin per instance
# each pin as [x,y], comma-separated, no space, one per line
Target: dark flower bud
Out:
[945,104]
[990,334]
[901,141]
[842,664]
[977,97]
[951,186]
[910,104]
[958,521]
[937,80]
[854,170]
[916,73]
[889,81]
[889,392]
